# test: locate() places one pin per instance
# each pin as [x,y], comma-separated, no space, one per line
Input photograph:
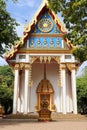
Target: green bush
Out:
[6,88]
[82,93]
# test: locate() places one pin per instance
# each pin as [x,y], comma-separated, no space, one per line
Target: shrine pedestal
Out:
[44,115]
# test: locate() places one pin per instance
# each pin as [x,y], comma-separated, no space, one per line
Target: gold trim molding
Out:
[30,77]
[46,35]
[45,51]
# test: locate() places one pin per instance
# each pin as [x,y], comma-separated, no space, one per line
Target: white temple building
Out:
[44,67]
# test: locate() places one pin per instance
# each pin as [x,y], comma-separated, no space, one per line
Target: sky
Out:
[22,11]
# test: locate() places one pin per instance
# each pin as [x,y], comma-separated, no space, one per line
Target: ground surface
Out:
[35,125]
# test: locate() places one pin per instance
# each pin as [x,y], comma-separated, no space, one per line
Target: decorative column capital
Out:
[63,66]
[16,67]
[21,66]
[27,66]
[71,66]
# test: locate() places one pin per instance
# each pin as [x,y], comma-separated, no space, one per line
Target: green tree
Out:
[7,28]
[82,93]
[74,13]
[6,88]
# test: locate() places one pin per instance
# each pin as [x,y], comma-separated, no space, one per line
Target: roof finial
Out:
[45,1]
[25,25]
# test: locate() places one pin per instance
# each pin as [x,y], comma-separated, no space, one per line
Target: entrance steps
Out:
[54,116]
[22,116]
[57,116]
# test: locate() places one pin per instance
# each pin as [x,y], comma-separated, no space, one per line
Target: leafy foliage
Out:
[82,93]
[75,18]
[80,53]
[6,88]
[7,29]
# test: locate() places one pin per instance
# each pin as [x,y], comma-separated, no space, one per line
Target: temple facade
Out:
[44,67]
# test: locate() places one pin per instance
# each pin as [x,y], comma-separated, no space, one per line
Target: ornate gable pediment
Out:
[44,32]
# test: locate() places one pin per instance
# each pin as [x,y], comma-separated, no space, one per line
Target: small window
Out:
[67,56]
[22,56]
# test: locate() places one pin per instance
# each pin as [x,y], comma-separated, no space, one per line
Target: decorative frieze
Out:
[51,43]
[45,42]
[38,43]
[58,43]
[44,59]
[57,59]
[32,59]
[49,59]
[41,59]
[21,66]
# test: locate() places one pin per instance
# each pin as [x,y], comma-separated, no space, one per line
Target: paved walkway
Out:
[54,125]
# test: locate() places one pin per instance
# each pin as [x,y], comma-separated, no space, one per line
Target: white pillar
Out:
[22,91]
[19,96]
[26,89]
[63,72]
[19,105]
[73,82]
[16,85]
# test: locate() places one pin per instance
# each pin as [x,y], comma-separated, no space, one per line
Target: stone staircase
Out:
[22,116]
[57,116]
[54,116]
